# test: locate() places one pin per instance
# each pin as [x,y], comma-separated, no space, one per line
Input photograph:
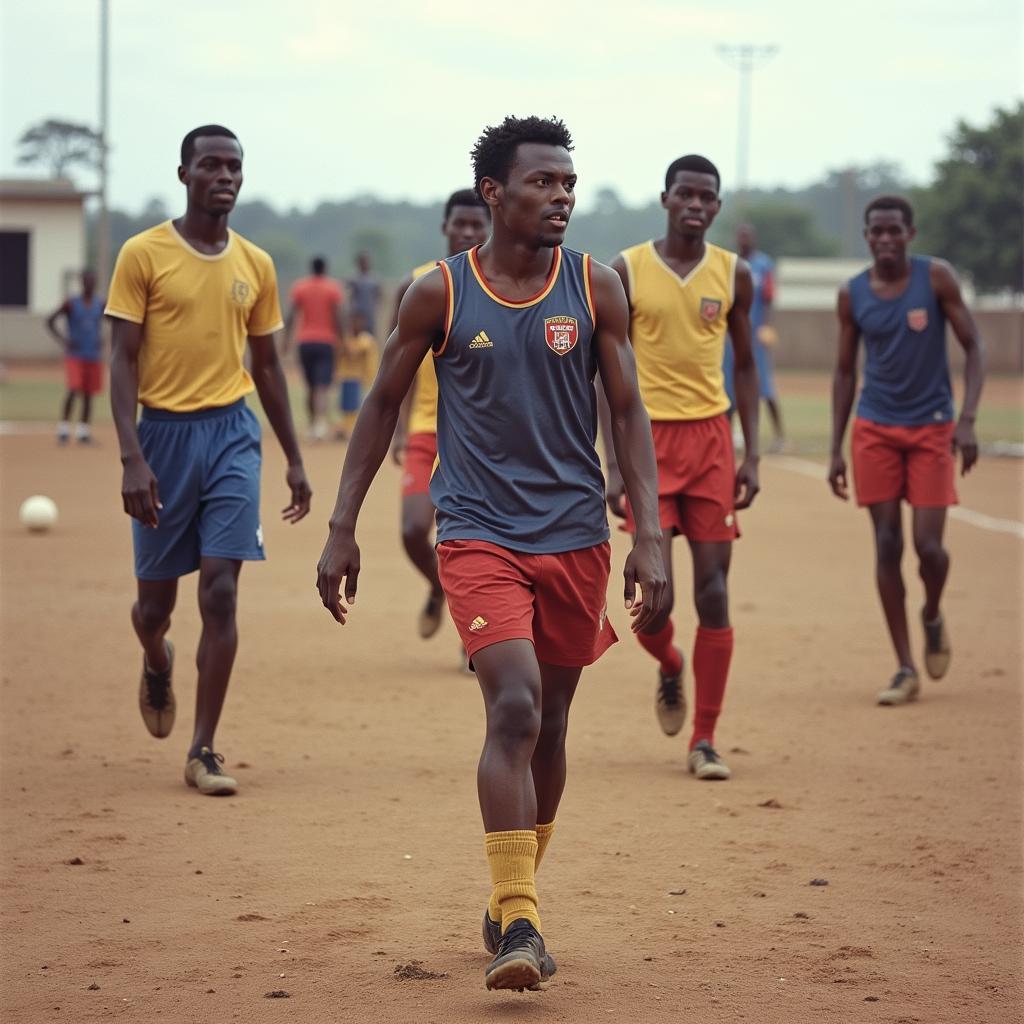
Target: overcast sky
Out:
[333,99]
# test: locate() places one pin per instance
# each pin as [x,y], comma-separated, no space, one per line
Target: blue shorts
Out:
[350,395]
[317,358]
[764,362]
[207,467]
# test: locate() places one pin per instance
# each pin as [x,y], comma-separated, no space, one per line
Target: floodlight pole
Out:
[745,57]
[103,220]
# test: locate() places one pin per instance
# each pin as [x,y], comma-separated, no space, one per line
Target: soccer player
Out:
[466,223]
[904,436]
[316,303]
[83,356]
[184,297]
[684,293]
[517,329]
[762,272]
[364,291]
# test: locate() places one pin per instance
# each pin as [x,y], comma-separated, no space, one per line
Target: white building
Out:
[42,251]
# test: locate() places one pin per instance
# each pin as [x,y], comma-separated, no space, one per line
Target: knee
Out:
[889,546]
[930,550]
[660,621]
[554,724]
[711,597]
[218,599]
[152,613]
[515,718]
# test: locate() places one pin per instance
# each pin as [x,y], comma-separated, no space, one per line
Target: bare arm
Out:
[746,387]
[51,324]
[947,288]
[420,325]
[268,376]
[139,490]
[633,445]
[615,489]
[844,387]
[402,430]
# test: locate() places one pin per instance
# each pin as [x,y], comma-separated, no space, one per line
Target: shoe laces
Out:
[904,677]
[520,934]
[211,761]
[709,752]
[158,686]
[668,689]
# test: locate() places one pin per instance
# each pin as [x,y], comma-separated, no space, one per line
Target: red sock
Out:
[659,645]
[712,652]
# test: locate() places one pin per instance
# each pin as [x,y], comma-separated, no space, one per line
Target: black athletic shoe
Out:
[521,961]
[492,933]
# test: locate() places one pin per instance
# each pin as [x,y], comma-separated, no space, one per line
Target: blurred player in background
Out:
[517,328]
[904,435]
[184,297]
[684,293]
[357,364]
[467,222]
[364,292]
[83,355]
[763,335]
[316,303]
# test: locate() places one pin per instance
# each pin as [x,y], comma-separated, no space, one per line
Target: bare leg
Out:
[510,681]
[711,561]
[417,525]
[558,686]
[933,559]
[86,407]
[888,527]
[218,596]
[775,412]
[151,617]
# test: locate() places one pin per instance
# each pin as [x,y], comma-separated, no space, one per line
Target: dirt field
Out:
[355,847]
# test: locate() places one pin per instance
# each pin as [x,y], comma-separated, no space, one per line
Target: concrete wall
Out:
[807,340]
[56,230]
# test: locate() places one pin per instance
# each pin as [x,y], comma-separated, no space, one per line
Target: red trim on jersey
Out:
[449,305]
[556,264]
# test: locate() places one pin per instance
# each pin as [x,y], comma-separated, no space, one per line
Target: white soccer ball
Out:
[38,513]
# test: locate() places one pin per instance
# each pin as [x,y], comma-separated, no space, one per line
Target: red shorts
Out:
[696,479]
[418,463]
[85,375]
[558,602]
[915,463]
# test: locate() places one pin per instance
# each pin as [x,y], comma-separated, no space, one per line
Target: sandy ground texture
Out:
[863,865]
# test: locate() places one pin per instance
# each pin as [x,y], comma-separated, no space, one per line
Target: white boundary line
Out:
[818,471]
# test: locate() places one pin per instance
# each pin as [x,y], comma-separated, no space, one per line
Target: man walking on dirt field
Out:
[904,436]
[517,328]
[184,297]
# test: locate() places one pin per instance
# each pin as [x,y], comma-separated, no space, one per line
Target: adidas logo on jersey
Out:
[481,341]
[479,622]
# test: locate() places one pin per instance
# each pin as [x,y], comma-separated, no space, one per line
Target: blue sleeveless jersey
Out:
[906,370]
[517,413]
[84,327]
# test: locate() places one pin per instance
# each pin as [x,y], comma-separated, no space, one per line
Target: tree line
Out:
[971,213]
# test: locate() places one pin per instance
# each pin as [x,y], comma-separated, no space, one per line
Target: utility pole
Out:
[103,221]
[745,57]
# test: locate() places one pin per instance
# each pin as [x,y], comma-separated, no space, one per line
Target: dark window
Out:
[14,268]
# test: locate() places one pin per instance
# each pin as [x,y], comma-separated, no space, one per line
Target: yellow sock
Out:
[511,857]
[543,838]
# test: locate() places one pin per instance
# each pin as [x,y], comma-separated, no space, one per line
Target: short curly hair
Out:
[891,203]
[495,150]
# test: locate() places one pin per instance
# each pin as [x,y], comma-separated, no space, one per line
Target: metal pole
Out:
[103,221]
[745,57]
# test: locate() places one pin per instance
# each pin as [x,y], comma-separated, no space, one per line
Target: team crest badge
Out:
[240,292]
[561,334]
[917,319]
[709,309]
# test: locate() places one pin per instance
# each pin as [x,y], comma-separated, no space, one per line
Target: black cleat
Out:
[521,961]
[670,700]
[156,696]
[492,934]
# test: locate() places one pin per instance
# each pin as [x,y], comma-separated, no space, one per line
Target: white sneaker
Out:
[705,763]
[904,688]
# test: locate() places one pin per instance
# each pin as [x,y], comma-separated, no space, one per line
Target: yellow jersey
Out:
[423,413]
[196,311]
[678,327]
